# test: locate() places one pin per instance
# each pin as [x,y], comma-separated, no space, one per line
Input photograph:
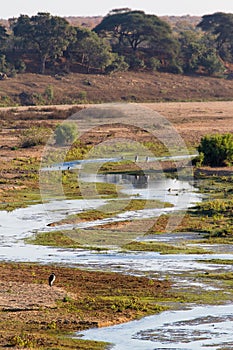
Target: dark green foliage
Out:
[130,32]
[118,65]
[217,149]
[124,39]
[48,35]
[198,51]
[91,51]
[221,26]
[210,62]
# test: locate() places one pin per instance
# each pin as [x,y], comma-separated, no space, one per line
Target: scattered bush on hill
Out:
[34,136]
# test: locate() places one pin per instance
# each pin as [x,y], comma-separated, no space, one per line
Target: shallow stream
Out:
[199,327]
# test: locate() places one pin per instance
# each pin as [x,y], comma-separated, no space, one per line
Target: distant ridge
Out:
[90,22]
[186,21]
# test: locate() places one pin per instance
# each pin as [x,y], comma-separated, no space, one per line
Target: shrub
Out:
[82,95]
[212,63]
[154,64]
[118,65]
[65,133]
[31,99]
[135,63]
[22,341]
[49,93]
[34,136]
[217,149]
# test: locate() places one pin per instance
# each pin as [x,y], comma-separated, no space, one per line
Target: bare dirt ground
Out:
[191,119]
[196,119]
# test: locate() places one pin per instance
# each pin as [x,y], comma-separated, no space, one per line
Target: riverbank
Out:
[34,315]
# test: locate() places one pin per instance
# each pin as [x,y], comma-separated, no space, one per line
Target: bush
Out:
[217,149]
[31,99]
[34,136]
[118,65]
[65,133]
[49,93]
[135,63]
[212,63]
[154,64]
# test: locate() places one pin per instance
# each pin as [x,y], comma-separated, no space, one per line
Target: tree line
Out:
[123,40]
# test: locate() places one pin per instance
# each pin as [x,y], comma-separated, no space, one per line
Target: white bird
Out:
[52,278]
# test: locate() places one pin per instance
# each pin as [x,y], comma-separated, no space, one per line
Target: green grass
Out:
[218,261]
[163,248]
[55,239]
[59,341]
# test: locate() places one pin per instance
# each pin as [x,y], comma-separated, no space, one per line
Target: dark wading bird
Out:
[52,278]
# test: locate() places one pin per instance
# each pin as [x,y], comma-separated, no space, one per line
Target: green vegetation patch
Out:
[55,239]
[218,261]
[164,248]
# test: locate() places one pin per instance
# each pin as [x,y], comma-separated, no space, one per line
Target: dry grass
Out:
[124,87]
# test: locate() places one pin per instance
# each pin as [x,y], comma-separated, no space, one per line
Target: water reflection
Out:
[137,181]
[140,181]
[182,194]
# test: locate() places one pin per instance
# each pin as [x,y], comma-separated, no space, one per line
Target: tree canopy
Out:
[124,39]
[48,35]
[221,26]
[137,31]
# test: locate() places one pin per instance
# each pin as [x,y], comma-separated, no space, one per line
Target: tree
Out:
[139,37]
[198,51]
[190,50]
[210,62]
[3,37]
[132,28]
[221,26]
[166,49]
[48,35]
[91,50]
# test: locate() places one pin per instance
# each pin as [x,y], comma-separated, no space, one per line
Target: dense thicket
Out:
[216,150]
[123,40]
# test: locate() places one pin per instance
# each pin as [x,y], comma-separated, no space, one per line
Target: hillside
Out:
[33,89]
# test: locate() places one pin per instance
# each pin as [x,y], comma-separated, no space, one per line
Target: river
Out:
[197,327]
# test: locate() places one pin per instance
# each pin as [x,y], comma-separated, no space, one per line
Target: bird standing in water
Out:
[52,278]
